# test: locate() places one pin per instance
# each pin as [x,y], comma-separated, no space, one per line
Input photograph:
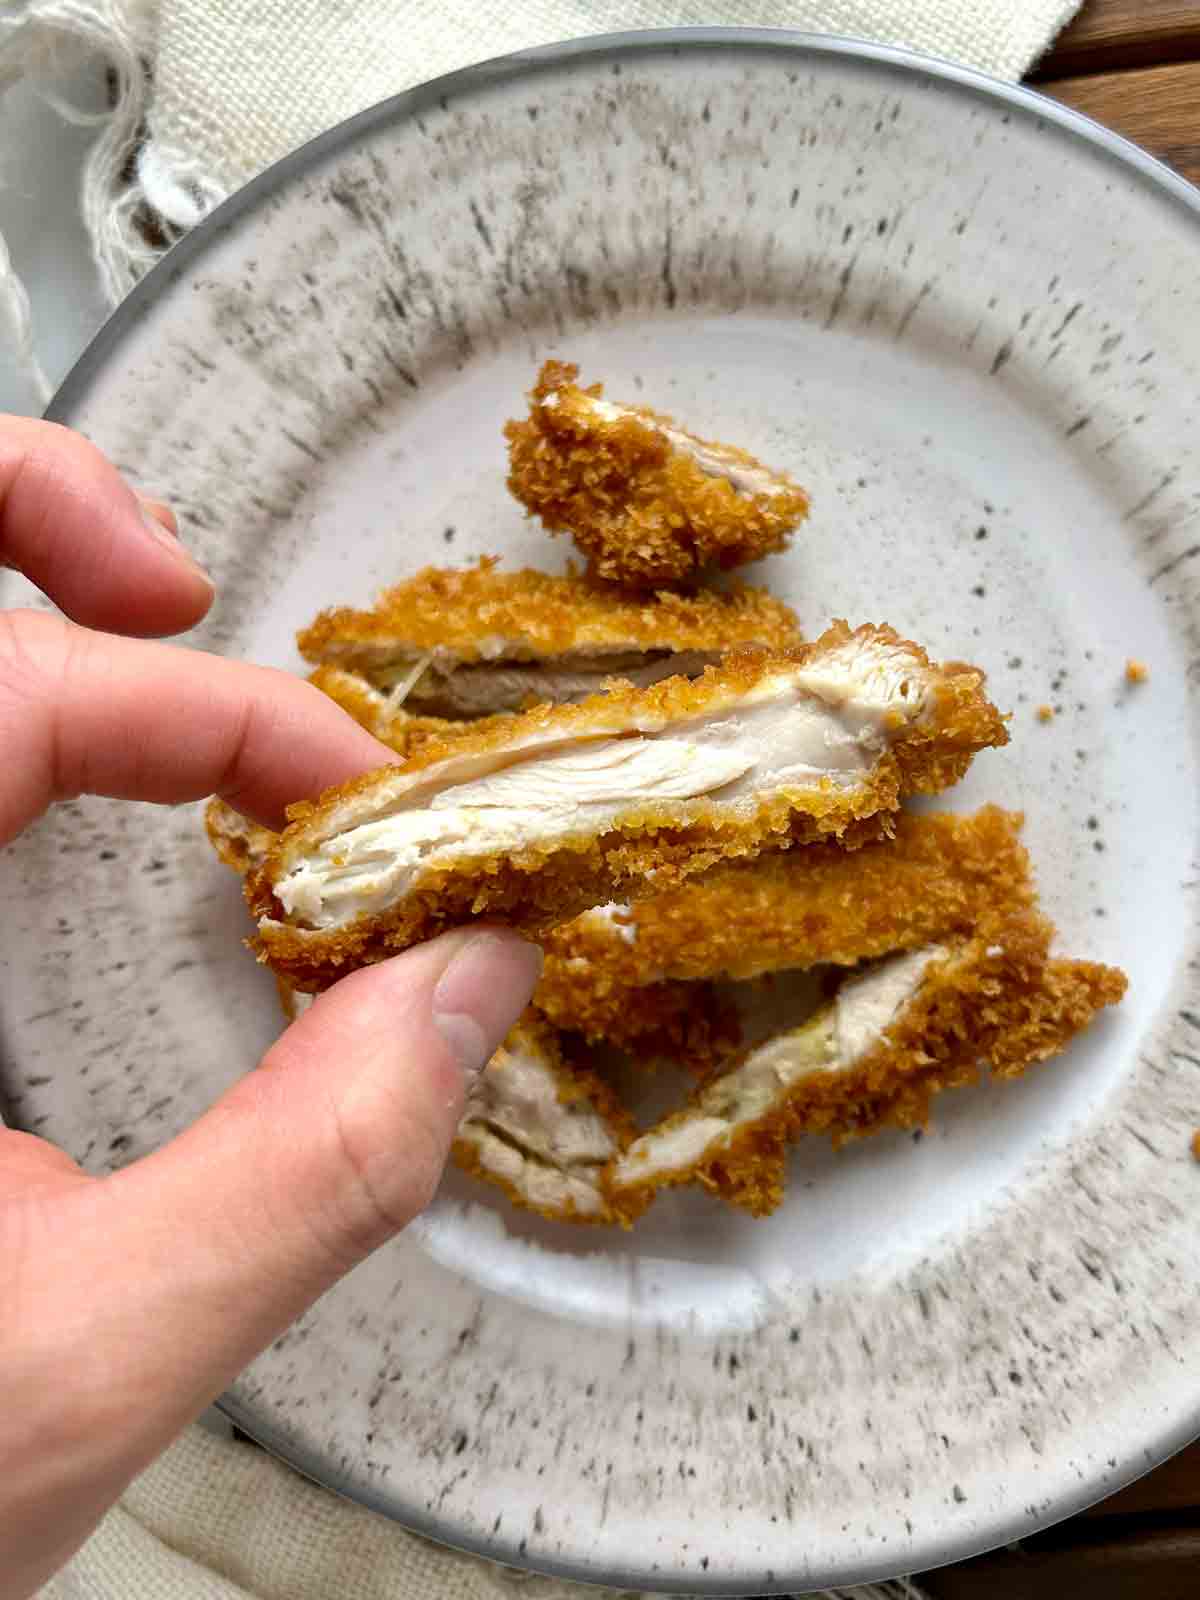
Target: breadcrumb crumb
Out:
[1045,713]
[1136,671]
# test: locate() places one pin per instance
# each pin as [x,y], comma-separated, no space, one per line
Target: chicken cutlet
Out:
[239,843]
[541,1129]
[893,1037]
[686,1023]
[619,974]
[568,807]
[475,642]
[645,501]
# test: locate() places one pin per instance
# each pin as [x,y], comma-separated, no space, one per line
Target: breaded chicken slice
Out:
[620,974]
[475,642]
[685,1023]
[575,806]
[542,1130]
[239,843]
[892,1038]
[645,501]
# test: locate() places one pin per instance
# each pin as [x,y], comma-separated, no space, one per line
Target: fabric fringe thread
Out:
[41,45]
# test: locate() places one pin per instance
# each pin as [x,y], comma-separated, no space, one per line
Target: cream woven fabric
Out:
[224,87]
[215,1520]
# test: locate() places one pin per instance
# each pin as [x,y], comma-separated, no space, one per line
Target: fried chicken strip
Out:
[472,643]
[239,843]
[892,1038]
[645,501]
[575,806]
[542,1130]
[686,1023]
[618,974]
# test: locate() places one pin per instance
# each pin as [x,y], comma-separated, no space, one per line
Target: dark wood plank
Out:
[1159,1566]
[1107,35]
[1175,1486]
[1157,107]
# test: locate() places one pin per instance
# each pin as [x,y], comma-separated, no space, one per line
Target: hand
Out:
[129,1302]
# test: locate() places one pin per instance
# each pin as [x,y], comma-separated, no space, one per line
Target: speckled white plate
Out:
[971,322]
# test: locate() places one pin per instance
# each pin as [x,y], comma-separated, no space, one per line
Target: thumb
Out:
[305,1166]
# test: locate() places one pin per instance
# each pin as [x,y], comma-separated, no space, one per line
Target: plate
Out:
[969,321]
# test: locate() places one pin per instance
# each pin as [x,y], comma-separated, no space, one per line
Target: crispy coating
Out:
[512,1164]
[689,1024]
[537,885]
[480,614]
[616,979]
[402,731]
[997,999]
[239,843]
[632,496]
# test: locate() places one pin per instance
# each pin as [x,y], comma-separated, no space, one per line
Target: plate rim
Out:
[405,106]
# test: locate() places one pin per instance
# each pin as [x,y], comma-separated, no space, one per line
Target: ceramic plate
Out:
[970,322]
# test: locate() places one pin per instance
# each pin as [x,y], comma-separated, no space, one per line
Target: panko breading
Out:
[402,731]
[612,975]
[535,1126]
[241,844]
[892,1038]
[476,642]
[686,1023]
[585,989]
[645,501]
[542,1130]
[576,806]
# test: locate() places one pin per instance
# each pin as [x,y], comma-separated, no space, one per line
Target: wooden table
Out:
[1135,65]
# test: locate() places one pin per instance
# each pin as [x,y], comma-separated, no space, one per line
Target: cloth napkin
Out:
[206,93]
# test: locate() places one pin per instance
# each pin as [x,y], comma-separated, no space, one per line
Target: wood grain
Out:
[1175,1486]
[1107,34]
[1162,1565]
[1156,107]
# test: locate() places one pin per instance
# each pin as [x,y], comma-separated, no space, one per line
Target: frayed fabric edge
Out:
[126,182]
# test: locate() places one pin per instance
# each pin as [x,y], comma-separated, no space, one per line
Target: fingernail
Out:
[480,994]
[169,542]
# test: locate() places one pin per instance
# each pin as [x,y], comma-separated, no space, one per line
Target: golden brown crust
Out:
[642,511]
[545,884]
[402,731]
[464,614]
[997,999]
[688,1024]
[939,875]
[575,1082]
[241,844]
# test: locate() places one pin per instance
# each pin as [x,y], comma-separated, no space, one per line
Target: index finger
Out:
[87,713]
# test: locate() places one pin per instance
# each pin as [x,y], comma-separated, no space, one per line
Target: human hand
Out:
[129,1302]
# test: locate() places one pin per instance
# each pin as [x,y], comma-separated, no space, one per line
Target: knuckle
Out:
[387,1181]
